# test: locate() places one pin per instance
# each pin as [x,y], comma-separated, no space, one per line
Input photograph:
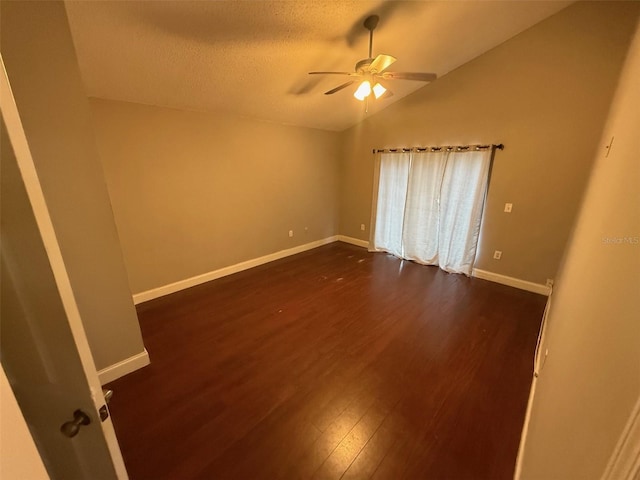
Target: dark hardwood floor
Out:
[334,363]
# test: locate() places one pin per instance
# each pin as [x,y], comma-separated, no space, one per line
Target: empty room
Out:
[320,239]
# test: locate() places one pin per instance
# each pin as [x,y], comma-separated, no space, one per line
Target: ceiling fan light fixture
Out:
[372,68]
[378,90]
[363,91]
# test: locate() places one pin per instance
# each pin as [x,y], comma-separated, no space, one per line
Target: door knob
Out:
[71,428]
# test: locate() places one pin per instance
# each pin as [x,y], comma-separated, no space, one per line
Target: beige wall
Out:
[19,457]
[193,192]
[40,60]
[591,378]
[545,95]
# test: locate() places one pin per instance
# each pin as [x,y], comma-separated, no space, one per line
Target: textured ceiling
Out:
[252,57]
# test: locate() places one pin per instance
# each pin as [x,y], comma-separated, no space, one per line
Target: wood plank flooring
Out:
[334,363]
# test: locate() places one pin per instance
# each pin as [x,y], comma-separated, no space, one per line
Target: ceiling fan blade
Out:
[382,62]
[330,73]
[339,87]
[422,77]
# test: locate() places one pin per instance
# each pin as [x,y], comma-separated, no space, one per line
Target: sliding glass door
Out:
[429,204]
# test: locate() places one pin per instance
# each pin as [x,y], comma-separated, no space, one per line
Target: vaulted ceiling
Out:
[252,57]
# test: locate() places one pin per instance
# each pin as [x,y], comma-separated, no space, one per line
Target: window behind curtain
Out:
[429,206]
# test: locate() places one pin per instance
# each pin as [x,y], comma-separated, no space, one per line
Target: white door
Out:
[45,353]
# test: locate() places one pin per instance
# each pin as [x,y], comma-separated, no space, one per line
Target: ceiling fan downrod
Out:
[370,24]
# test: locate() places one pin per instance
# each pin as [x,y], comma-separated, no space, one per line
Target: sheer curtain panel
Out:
[422,215]
[429,206]
[392,196]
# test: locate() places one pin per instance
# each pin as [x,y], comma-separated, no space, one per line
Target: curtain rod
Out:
[449,148]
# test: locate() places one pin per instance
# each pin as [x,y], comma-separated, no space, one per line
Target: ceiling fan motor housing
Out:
[363,65]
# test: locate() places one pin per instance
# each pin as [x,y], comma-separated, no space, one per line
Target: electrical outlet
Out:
[290,233]
[362,227]
[497,255]
[508,207]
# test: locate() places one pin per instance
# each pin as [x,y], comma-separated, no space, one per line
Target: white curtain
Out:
[429,206]
[422,215]
[392,195]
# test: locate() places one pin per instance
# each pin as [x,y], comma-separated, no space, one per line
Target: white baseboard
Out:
[525,430]
[127,365]
[239,267]
[353,241]
[223,272]
[512,282]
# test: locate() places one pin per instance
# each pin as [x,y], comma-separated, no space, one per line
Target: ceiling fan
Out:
[374,70]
